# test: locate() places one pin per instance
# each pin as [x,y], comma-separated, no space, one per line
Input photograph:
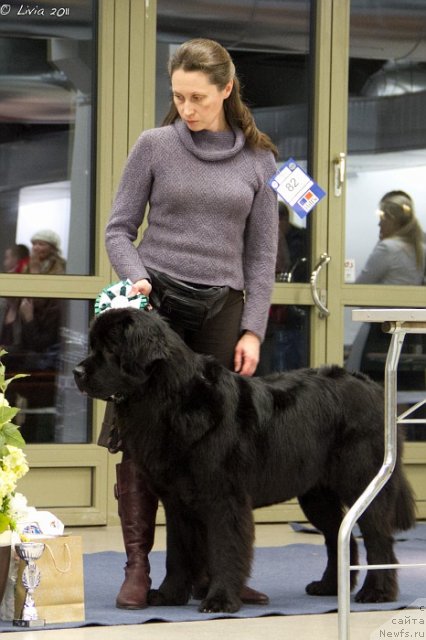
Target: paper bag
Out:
[60,594]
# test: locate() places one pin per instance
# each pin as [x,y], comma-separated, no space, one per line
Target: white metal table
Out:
[397,322]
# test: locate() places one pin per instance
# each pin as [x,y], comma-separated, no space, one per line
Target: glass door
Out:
[71,104]
[377,219]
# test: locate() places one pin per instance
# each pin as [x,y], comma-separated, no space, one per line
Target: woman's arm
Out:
[128,212]
[260,253]
[376,267]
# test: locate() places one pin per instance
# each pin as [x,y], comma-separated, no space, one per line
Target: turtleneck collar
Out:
[210,145]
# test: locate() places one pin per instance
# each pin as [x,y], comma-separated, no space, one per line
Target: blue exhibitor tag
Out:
[296,188]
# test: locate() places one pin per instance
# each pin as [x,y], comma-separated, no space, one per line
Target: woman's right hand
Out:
[141,286]
[26,310]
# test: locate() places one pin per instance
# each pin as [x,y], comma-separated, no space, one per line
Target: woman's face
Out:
[198,102]
[41,250]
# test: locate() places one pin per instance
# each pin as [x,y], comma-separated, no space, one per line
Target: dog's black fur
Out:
[214,445]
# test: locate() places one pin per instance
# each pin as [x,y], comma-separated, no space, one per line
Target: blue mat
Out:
[418,533]
[281,572]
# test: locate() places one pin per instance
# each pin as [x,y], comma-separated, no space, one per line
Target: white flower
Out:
[20,509]
[3,401]
[7,483]
[19,503]
[15,462]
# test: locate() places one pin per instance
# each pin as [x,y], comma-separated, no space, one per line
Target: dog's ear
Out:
[144,342]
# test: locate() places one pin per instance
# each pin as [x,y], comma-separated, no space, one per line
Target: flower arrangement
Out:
[13,462]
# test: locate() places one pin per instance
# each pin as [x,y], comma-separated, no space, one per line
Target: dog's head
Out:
[124,347]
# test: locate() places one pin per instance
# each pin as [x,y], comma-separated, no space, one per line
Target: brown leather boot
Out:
[137,508]
[251,596]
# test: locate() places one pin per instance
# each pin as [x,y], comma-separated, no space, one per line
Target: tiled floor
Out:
[310,627]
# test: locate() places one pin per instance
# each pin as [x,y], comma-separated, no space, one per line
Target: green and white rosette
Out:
[117,296]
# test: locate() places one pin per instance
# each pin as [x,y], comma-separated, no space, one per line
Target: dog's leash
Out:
[117,296]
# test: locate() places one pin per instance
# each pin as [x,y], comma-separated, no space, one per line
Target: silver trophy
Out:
[29,552]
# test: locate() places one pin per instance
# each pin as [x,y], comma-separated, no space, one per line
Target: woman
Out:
[399,256]
[212,225]
[397,259]
[46,253]
[32,325]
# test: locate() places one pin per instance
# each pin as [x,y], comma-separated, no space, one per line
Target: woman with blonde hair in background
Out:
[399,256]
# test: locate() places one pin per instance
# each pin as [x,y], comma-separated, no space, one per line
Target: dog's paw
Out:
[369,594]
[159,598]
[220,603]
[156,598]
[321,588]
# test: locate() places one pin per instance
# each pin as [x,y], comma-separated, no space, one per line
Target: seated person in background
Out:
[30,332]
[46,253]
[397,259]
[16,258]
[399,256]
[31,326]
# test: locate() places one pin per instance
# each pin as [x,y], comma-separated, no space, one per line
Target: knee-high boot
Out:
[137,507]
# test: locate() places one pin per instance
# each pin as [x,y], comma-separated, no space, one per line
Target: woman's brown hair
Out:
[211,58]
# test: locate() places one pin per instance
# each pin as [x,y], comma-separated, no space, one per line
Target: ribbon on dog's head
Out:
[117,296]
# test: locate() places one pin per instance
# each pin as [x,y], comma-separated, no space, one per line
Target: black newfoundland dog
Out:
[214,445]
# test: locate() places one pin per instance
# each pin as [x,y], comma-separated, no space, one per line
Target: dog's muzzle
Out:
[80,376]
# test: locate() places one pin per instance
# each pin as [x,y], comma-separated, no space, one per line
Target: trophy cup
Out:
[29,552]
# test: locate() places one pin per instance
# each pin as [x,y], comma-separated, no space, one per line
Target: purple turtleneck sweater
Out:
[212,217]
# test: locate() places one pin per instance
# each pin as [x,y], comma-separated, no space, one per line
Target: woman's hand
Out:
[247,353]
[26,310]
[141,286]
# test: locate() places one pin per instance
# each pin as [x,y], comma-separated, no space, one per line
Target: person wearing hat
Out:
[46,253]
[30,327]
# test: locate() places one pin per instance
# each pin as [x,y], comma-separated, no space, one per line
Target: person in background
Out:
[16,259]
[212,224]
[397,259]
[41,317]
[399,256]
[32,324]
[46,253]
[30,327]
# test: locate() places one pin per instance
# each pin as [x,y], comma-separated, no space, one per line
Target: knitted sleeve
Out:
[128,211]
[260,252]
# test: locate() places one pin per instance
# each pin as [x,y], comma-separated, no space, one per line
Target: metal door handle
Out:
[323,311]
[339,173]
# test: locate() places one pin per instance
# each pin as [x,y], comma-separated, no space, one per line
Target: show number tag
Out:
[296,188]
